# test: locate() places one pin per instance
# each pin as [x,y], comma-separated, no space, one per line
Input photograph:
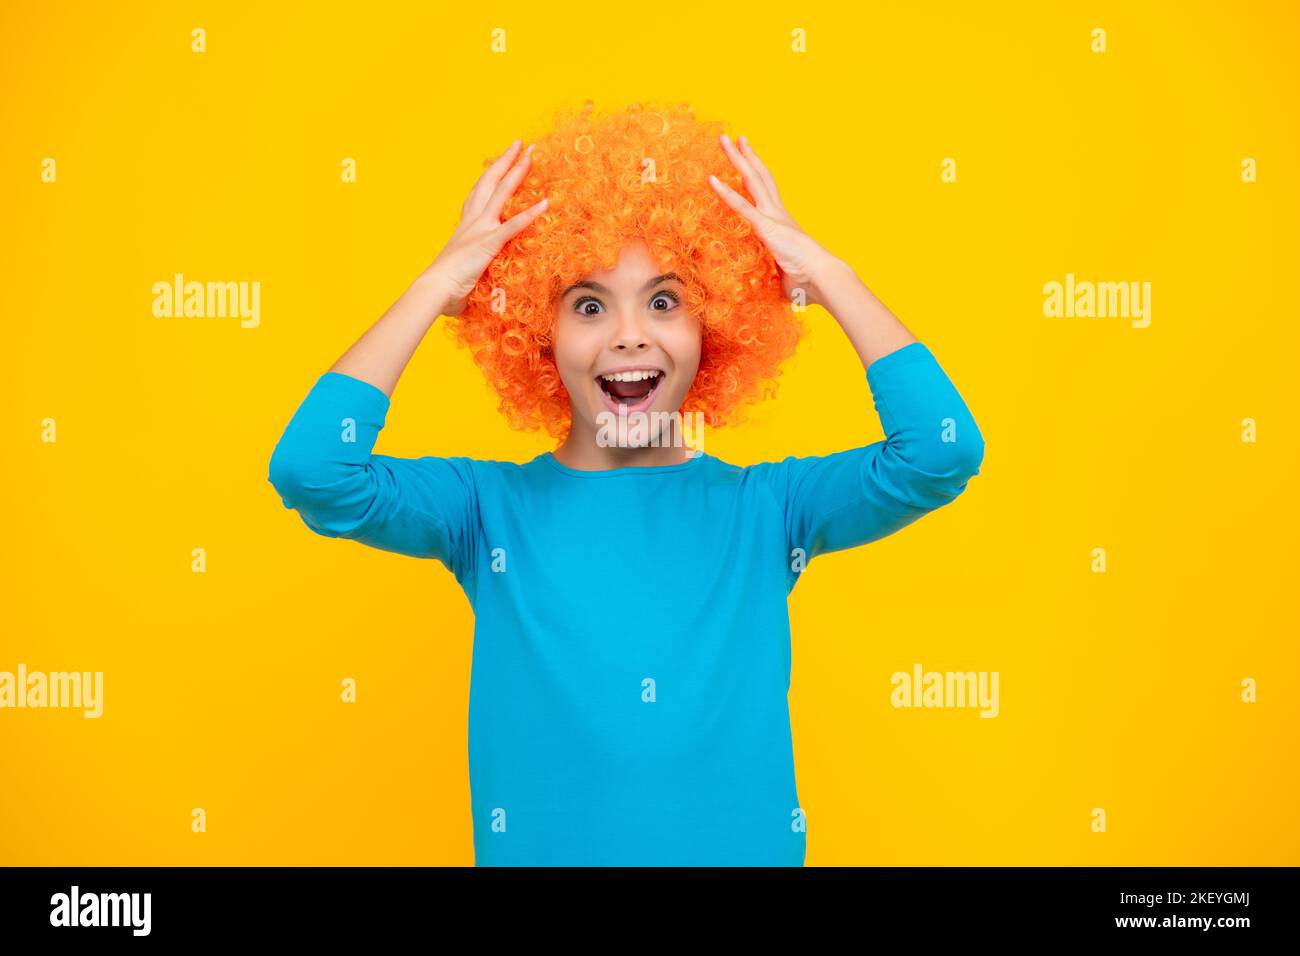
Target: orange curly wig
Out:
[640,174]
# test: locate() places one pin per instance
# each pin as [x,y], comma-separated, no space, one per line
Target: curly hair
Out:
[639,174]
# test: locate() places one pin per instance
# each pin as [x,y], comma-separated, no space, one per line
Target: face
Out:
[630,320]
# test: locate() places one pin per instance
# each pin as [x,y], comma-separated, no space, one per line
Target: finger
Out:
[505,189]
[735,200]
[491,176]
[757,188]
[748,151]
[488,182]
[516,223]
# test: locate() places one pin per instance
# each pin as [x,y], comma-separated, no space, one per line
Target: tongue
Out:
[630,390]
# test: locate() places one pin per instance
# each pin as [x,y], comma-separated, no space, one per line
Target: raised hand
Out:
[481,234]
[801,259]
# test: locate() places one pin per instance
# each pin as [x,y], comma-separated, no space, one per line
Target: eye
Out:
[670,296]
[581,305]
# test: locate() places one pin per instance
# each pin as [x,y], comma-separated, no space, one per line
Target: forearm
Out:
[932,442]
[381,354]
[874,331]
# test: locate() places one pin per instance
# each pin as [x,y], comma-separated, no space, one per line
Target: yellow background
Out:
[1118,690]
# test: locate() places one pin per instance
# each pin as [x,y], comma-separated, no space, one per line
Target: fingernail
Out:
[725,139]
[529,149]
[744,141]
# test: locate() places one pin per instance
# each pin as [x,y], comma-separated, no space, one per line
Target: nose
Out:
[629,332]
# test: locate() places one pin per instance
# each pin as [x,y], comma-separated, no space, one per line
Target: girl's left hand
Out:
[800,258]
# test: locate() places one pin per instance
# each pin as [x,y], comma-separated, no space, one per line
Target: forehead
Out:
[635,272]
[634,262]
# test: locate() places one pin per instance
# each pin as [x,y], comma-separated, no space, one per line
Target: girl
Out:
[631,644]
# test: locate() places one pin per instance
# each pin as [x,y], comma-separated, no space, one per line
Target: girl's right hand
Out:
[481,233]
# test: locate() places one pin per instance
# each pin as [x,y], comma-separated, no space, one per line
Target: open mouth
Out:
[632,391]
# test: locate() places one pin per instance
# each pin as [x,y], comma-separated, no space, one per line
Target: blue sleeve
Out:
[932,449]
[323,468]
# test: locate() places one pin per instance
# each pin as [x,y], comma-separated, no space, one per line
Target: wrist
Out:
[830,277]
[430,292]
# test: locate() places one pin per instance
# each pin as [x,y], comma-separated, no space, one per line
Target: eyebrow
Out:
[645,288]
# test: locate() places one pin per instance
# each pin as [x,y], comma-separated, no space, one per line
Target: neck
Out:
[580,450]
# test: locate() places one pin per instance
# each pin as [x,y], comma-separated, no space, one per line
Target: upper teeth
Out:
[629,376]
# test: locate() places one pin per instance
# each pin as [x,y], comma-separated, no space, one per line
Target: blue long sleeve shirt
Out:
[631,657]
